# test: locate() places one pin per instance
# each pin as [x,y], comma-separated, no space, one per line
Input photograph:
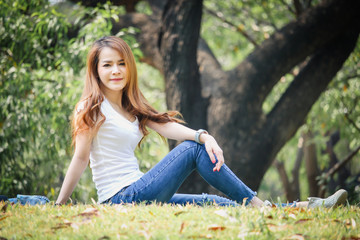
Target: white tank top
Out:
[112,159]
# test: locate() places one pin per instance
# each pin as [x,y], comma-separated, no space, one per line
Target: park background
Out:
[277,83]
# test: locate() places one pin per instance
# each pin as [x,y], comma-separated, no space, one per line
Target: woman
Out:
[112,118]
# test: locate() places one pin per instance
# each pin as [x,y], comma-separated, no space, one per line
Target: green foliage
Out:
[177,222]
[33,96]
[235,19]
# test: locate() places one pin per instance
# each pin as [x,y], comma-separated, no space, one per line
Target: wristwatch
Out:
[198,133]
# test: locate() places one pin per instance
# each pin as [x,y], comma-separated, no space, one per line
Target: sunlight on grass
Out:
[176,222]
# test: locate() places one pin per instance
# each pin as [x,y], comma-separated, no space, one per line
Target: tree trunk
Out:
[311,165]
[292,188]
[343,173]
[178,41]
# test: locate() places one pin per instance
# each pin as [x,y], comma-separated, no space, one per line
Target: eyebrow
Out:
[109,61]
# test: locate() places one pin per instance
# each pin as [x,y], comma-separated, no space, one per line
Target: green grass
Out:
[176,222]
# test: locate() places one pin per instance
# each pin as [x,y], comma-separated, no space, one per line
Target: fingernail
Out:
[214,170]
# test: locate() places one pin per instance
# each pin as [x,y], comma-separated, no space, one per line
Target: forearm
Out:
[174,131]
[179,132]
[73,174]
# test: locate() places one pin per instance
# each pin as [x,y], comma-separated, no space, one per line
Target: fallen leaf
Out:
[182,227]
[4,208]
[222,213]
[179,212]
[303,220]
[295,210]
[276,228]
[295,237]
[104,237]
[207,236]
[351,238]
[89,212]
[351,222]
[3,217]
[61,225]
[75,226]
[215,227]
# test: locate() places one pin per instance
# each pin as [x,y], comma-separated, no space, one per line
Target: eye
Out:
[122,64]
[106,65]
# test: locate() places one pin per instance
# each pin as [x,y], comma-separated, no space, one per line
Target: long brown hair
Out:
[87,114]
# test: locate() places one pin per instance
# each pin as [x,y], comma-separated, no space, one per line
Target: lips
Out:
[116,79]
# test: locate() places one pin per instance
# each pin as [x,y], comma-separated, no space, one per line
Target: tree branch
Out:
[289,112]
[352,76]
[353,123]
[283,176]
[341,164]
[268,13]
[347,115]
[288,7]
[157,6]
[236,27]
[298,7]
[334,169]
[291,45]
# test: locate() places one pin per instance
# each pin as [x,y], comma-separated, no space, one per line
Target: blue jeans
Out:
[161,182]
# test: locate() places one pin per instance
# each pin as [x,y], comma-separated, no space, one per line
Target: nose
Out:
[116,69]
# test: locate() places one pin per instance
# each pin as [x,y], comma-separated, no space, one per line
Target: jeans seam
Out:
[236,178]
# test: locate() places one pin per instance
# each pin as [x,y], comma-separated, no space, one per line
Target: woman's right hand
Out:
[214,150]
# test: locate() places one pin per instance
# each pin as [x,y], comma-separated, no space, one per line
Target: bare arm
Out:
[77,166]
[180,132]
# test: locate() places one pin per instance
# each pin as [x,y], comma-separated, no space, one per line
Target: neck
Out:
[114,97]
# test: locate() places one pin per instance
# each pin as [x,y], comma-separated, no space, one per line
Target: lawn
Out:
[176,222]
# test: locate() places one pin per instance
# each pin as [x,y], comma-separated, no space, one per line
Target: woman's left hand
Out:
[214,151]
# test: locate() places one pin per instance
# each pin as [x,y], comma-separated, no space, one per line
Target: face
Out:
[111,70]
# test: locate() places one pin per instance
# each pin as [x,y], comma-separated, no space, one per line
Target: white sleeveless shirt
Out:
[112,159]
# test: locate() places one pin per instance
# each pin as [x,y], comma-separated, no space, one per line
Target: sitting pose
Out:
[111,119]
